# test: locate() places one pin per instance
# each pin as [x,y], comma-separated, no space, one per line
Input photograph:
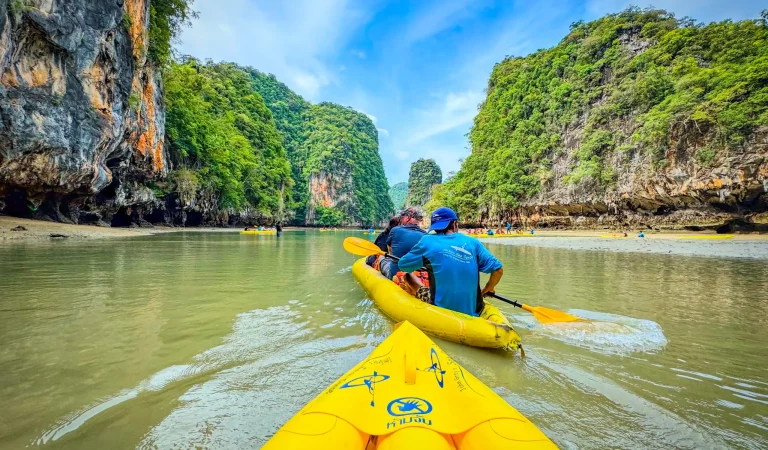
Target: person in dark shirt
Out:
[381,239]
[402,238]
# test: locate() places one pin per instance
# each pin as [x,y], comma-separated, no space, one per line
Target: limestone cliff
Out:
[81,111]
[637,119]
[424,174]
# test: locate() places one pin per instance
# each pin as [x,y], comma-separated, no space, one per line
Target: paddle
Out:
[361,247]
[544,315]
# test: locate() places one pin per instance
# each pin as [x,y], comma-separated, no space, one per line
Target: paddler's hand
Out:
[487,291]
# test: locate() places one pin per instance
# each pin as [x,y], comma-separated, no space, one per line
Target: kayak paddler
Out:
[454,262]
[279,228]
[401,239]
[381,239]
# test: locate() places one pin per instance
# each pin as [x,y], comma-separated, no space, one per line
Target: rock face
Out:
[81,111]
[424,174]
[728,194]
[636,119]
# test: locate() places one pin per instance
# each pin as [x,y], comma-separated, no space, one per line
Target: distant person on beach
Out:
[279,229]
[509,227]
[641,235]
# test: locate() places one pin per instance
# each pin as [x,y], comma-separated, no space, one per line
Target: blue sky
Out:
[418,69]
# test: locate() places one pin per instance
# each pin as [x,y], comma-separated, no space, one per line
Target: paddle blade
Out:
[361,247]
[547,315]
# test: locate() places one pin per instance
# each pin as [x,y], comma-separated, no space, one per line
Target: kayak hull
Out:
[408,394]
[491,330]
[259,232]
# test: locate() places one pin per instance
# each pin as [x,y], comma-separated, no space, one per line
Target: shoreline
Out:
[679,244]
[39,230]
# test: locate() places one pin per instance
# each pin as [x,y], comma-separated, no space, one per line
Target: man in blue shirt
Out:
[453,262]
[402,238]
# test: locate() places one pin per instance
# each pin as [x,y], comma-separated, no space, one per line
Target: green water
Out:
[214,340]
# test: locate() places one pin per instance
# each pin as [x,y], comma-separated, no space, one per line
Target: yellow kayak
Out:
[485,236]
[707,236]
[259,232]
[408,394]
[490,330]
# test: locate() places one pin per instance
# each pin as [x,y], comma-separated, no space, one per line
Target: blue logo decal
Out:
[436,368]
[366,380]
[407,406]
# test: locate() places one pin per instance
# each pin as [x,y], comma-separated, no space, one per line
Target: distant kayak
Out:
[408,394]
[259,232]
[491,330]
[485,236]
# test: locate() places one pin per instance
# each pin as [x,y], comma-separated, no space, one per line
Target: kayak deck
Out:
[490,330]
[408,394]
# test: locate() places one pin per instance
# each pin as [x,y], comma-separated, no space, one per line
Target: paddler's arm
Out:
[487,263]
[490,286]
[412,260]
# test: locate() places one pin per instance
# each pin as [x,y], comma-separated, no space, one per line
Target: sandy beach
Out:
[39,230]
[691,244]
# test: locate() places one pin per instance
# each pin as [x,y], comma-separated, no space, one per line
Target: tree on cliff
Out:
[338,174]
[344,161]
[629,86]
[398,193]
[423,175]
[292,114]
[218,127]
[166,19]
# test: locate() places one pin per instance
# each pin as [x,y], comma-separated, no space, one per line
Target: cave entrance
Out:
[16,204]
[194,219]
[122,218]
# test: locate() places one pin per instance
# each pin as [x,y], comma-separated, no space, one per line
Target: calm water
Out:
[214,340]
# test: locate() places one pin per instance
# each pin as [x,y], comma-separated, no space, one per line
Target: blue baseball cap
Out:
[441,218]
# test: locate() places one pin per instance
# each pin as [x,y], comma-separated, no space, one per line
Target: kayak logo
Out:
[407,406]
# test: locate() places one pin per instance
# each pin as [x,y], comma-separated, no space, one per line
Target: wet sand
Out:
[739,246]
[39,230]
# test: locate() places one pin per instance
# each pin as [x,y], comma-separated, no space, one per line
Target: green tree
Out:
[398,193]
[424,174]
[635,81]
[219,127]
[166,19]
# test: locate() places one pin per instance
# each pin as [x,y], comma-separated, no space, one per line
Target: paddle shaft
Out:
[506,300]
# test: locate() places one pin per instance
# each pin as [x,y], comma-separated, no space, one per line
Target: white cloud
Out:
[292,40]
[372,117]
[436,19]
[359,53]
[455,110]
[383,132]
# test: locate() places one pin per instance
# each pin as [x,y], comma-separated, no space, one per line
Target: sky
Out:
[418,68]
